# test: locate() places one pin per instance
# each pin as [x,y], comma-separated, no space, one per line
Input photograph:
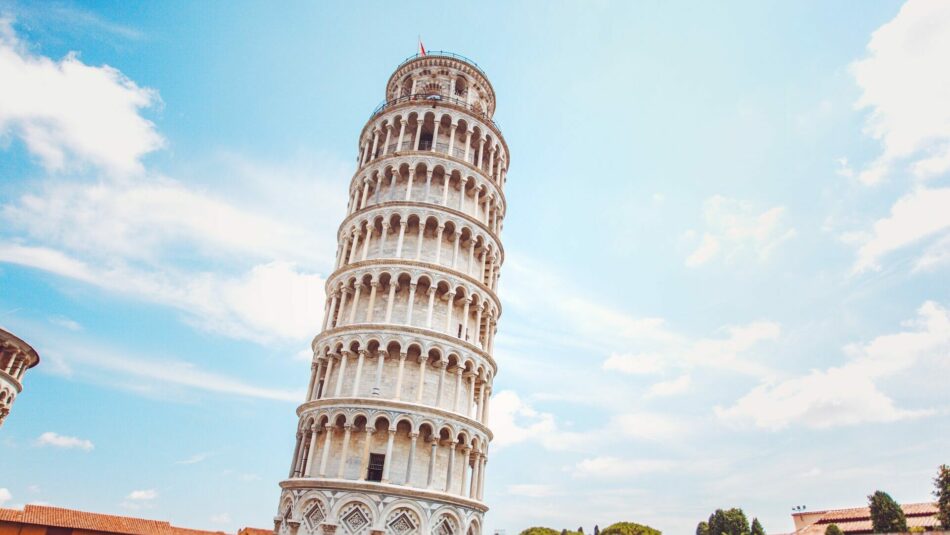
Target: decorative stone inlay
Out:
[356,519]
[445,526]
[403,522]
[315,515]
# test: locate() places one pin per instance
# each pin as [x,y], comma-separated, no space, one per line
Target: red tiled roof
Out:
[255,531]
[858,519]
[69,518]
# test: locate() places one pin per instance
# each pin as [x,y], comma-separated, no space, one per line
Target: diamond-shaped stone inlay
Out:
[444,527]
[402,525]
[355,520]
[315,516]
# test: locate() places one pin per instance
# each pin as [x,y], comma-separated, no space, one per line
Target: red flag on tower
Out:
[422,48]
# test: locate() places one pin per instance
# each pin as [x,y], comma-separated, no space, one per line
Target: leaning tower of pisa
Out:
[393,436]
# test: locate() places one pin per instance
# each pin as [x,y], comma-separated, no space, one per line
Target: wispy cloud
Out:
[735,227]
[69,113]
[194,459]
[849,394]
[56,440]
[140,499]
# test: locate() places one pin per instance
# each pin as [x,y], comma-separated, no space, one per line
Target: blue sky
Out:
[727,241]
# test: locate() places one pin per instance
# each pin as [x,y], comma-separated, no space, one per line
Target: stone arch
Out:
[446,522]
[356,515]
[403,517]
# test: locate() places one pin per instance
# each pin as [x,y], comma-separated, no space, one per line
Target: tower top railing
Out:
[434,98]
[444,54]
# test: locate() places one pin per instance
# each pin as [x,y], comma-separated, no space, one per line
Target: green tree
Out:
[702,528]
[596,529]
[942,493]
[757,528]
[731,522]
[538,530]
[629,528]
[833,529]
[886,515]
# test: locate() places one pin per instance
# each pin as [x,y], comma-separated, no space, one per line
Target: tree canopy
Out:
[942,493]
[629,528]
[538,530]
[833,529]
[730,522]
[886,515]
[757,528]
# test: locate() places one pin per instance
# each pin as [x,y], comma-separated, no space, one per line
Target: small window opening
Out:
[460,331]
[320,389]
[375,470]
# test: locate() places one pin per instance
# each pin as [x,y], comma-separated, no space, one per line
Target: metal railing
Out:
[424,97]
[443,54]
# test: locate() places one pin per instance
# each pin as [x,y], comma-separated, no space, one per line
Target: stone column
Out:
[372,153]
[327,376]
[438,244]
[364,461]
[328,320]
[450,297]
[473,487]
[455,250]
[326,450]
[293,462]
[364,195]
[388,461]
[344,292]
[481,151]
[478,324]
[389,129]
[452,140]
[467,302]
[445,189]
[402,366]
[359,373]
[481,402]
[422,377]
[346,447]
[468,143]
[373,285]
[471,396]
[451,468]
[458,388]
[412,178]
[441,388]
[402,132]
[435,134]
[430,479]
[313,379]
[419,236]
[402,236]
[369,236]
[382,237]
[428,184]
[339,375]
[431,291]
[354,241]
[418,134]
[412,300]
[466,451]
[481,477]
[393,285]
[356,302]
[413,437]
[380,362]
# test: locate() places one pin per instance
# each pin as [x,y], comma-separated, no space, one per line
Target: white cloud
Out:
[849,394]
[50,438]
[66,323]
[152,376]
[140,499]
[271,300]
[735,227]
[648,426]
[514,421]
[68,112]
[936,256]
[635,364]
[142,495]
[223,518]
[673,387]
[920,214]
[607,467]
[904,83]
[5,495]
[730,353]
[194,459]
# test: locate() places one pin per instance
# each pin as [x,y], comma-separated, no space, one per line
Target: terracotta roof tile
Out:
[857,520]
[255,531]
[69,518]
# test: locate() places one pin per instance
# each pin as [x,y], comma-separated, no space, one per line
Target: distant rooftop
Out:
[857,520]
[58,517]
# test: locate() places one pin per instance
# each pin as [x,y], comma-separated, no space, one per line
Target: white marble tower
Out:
[393,435]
